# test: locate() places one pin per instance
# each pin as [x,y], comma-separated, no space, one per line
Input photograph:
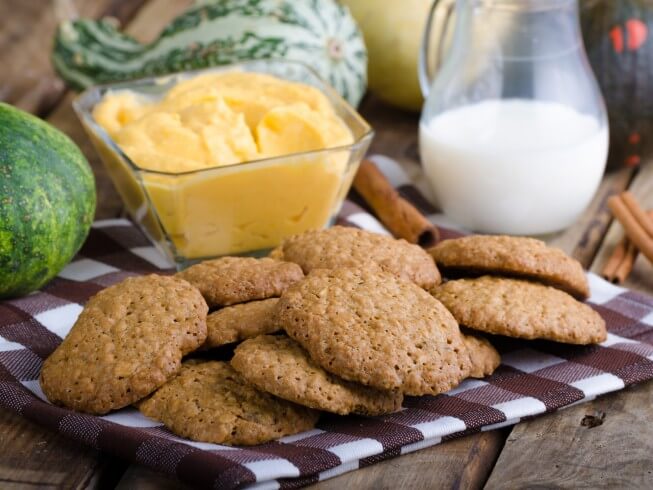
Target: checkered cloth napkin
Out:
[534,378]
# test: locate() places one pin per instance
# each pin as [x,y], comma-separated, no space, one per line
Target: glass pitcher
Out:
[514,131]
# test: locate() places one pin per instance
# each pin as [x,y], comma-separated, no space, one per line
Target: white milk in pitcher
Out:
[514,166]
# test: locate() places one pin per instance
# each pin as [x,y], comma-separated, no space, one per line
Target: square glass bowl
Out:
[245,208]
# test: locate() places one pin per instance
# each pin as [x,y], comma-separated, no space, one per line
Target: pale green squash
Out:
[319,33]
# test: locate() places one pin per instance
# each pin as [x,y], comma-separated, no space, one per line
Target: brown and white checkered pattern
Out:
[534,378]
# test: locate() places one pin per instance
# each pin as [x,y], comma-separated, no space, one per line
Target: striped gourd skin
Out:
[47,201]
[319,33]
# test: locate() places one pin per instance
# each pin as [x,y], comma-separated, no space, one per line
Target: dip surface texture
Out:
[192,144]
[221,119]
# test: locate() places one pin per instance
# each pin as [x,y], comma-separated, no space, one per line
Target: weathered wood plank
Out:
[28,79]
[31,456]
[558,451]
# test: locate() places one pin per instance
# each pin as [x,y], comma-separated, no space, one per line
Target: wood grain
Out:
[28,26]
[32,456]
[558,451]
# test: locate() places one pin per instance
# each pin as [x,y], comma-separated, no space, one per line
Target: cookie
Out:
[523,309]
[128,341]
[340,247]
[210,402]
[240,322]
[278,365]
[276,253]
[230,280]
[513,256]
[376,329]
[484,357]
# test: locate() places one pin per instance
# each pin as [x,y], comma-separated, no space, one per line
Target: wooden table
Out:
[551,451]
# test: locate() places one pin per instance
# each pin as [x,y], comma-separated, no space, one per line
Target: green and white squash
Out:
[319,33]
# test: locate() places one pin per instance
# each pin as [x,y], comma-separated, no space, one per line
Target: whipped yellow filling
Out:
[215,120]
[221,119]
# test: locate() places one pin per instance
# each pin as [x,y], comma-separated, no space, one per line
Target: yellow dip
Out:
[192,144]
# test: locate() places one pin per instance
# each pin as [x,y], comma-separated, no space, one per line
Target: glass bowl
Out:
[245,208]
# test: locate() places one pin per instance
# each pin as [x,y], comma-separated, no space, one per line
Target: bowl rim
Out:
[85,114]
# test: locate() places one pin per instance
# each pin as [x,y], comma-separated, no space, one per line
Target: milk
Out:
[514,166]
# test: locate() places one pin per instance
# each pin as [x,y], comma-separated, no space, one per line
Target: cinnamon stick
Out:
[626,266]
[638,213]
[614,261]
[396,213]
[638,227]
[635,221]
[620,264]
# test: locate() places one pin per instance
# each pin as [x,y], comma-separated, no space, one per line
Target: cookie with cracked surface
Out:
[523,257]
[340,247]
[373,328]
[523,309]
[279,365]
[239,322]
[210,402]
[231,280]
[483,356]
[128,341]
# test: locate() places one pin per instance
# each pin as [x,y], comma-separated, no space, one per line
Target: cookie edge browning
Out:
[513,256]
[267,326]
[485,359]
[425,279]
[306,420]
[219,294]
[94,404]
[339,396]
[475,317]
[405,382]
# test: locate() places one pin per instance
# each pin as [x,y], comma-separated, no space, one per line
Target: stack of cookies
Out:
[338,320]
[517,287]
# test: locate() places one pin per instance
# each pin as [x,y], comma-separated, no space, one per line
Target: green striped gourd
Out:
[47,201]
[319,33]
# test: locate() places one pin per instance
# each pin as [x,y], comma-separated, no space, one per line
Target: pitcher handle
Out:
[423,65]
